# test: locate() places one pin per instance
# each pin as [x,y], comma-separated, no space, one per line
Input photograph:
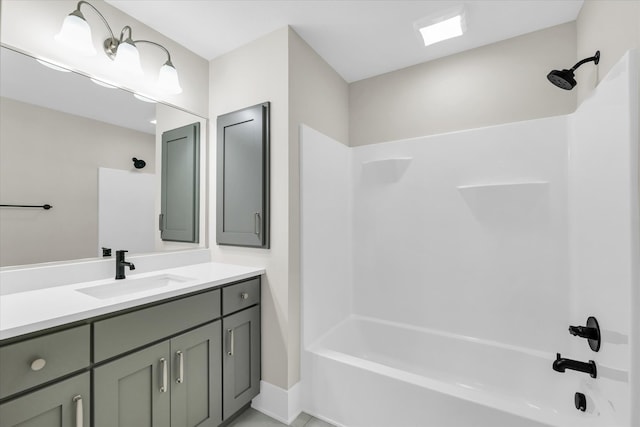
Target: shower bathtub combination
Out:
[440,274]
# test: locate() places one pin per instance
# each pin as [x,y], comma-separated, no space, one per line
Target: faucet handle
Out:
[591,332]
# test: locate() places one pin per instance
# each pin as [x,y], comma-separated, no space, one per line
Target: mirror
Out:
[70,142]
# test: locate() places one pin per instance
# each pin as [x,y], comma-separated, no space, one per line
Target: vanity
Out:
[182,348]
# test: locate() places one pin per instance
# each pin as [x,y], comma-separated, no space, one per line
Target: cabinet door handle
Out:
[244,295]
[231,342]
[79,414]
[256,228]
[180,356]
[163,374]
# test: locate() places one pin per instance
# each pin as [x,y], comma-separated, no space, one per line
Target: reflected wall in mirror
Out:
[69,142]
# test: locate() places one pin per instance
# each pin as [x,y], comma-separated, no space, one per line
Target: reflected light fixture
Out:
[443,26]
[76,35]
[144,98]
[53,66]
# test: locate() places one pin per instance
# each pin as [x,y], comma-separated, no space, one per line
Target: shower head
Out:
[565,79]
[139,163]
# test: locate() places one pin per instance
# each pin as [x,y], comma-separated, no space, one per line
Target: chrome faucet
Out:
[560,364]
[121,264]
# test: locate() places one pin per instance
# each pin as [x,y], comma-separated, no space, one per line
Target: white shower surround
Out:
[486,243]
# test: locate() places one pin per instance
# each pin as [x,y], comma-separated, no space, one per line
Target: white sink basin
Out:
[122,287]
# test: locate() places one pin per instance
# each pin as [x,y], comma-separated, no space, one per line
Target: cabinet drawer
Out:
[57,354]
[126,332]
[241,295]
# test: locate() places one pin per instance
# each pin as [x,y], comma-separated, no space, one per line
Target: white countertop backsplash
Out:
[34,306]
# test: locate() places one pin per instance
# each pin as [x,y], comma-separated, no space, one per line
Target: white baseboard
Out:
[280,404]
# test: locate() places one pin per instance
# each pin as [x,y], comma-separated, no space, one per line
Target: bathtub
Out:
[368,372]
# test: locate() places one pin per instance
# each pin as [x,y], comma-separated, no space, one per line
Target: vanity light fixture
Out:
[443,26]
[76,34]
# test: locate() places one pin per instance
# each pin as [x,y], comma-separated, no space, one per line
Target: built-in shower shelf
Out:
[385,171]
[506,203]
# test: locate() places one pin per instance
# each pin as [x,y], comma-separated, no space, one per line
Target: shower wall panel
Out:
[466,232]
[603,218]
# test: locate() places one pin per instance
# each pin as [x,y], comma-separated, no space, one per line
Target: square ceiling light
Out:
[442,26]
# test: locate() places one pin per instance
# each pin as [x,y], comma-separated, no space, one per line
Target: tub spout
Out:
[560,364]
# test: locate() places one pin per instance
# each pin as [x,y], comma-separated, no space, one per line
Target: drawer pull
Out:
[232,343]
[180,356]
[244,295]
[163,373]
[79,414]
[38,364]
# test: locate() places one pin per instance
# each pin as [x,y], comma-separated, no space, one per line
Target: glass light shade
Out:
[128,59]
[76,34]
[168,81]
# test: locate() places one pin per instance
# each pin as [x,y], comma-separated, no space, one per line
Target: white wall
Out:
[51,157]
[326,195]
[31,25]
[499,83]
[604,237]
[465,232]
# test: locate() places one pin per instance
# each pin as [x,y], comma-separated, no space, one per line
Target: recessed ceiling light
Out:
[153,122]
[444,26]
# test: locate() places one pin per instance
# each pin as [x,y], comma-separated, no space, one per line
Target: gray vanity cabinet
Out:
[241,359]
[188,361]
[196,400]
[175,383]
[127,391]
[64,404]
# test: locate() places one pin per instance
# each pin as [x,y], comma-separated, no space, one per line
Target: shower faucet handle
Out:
[591,332]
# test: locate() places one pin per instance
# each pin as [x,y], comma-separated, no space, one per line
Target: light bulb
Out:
[168,81]
[127,58]
[76,34]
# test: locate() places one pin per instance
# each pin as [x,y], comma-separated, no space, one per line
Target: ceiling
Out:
[359,39]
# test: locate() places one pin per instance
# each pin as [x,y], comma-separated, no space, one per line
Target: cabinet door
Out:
[243,177]
[65,404]
[241,359]
[134,391]
[196,383]
[180,202]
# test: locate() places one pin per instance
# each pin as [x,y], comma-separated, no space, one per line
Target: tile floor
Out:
[253,418]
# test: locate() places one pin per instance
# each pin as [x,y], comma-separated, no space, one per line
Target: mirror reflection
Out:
[70,142]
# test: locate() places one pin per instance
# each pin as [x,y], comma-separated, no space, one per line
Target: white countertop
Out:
[34,310]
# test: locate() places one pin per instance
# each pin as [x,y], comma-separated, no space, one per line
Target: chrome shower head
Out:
[565,79]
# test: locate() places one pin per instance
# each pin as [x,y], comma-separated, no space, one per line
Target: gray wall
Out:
[611,26]
[255,73]
[302,88]
[498,83]
[51,157]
